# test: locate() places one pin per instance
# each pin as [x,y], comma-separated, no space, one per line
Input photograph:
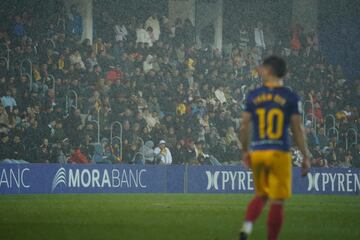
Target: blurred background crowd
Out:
[143,92]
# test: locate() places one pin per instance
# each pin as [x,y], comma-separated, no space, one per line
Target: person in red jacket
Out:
[78,157]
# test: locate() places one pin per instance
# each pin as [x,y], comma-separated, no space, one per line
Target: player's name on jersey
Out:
[267,97]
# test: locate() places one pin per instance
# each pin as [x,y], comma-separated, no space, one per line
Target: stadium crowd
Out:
[178,104]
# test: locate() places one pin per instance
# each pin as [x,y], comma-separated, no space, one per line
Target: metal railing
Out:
[52,43]
[7,57]
[97,122]
[53,81]
[304,108]
[45,80]
[28,74]
[333,129]
[6,61]
[30,79]
[355,133]
[104,141]
[313,121]
[333,122]
[117,137]
[69,104]
[61,21]
[243,92]
[141,141]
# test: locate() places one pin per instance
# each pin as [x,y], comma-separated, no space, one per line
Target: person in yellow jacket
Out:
[181,109]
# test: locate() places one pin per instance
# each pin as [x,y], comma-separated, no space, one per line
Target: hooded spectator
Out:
[154,24]
[147,152]
[163,154]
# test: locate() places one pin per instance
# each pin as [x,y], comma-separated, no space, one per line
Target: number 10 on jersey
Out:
[271,123]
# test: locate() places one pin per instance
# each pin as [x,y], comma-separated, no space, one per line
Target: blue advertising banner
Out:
[230,179]
[55,178]
[338,181]
[236,179]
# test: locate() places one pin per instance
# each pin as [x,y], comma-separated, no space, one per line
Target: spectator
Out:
[17,150]
[233,153]
[154,24]
[147,151]
[312,137]
[91,61]
[75,58]
[142,36]
[18,29]
[74,126]
[148,64]
[323,139]
[78,157]
[189,32]
[5,147]
[318,158]
[8,101]
[44,152]
[75,23]
[188,152]
[163,154]
[356,156]
[231,136]
[201,157]
[4,120]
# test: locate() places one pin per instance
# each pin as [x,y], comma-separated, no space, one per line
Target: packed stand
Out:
[176,103]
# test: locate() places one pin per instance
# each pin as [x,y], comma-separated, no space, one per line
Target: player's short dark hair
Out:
[276,64]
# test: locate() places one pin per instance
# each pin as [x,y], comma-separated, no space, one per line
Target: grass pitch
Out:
[169,217]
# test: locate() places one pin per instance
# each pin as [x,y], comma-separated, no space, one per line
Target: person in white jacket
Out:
[142,36]
[163,154]
[75,58]
[153,22]
[148,64]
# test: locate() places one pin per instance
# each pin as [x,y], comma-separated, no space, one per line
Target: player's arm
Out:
[245,136]
[300,141]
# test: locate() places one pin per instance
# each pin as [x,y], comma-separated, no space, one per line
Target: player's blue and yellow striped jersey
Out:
[271,109]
